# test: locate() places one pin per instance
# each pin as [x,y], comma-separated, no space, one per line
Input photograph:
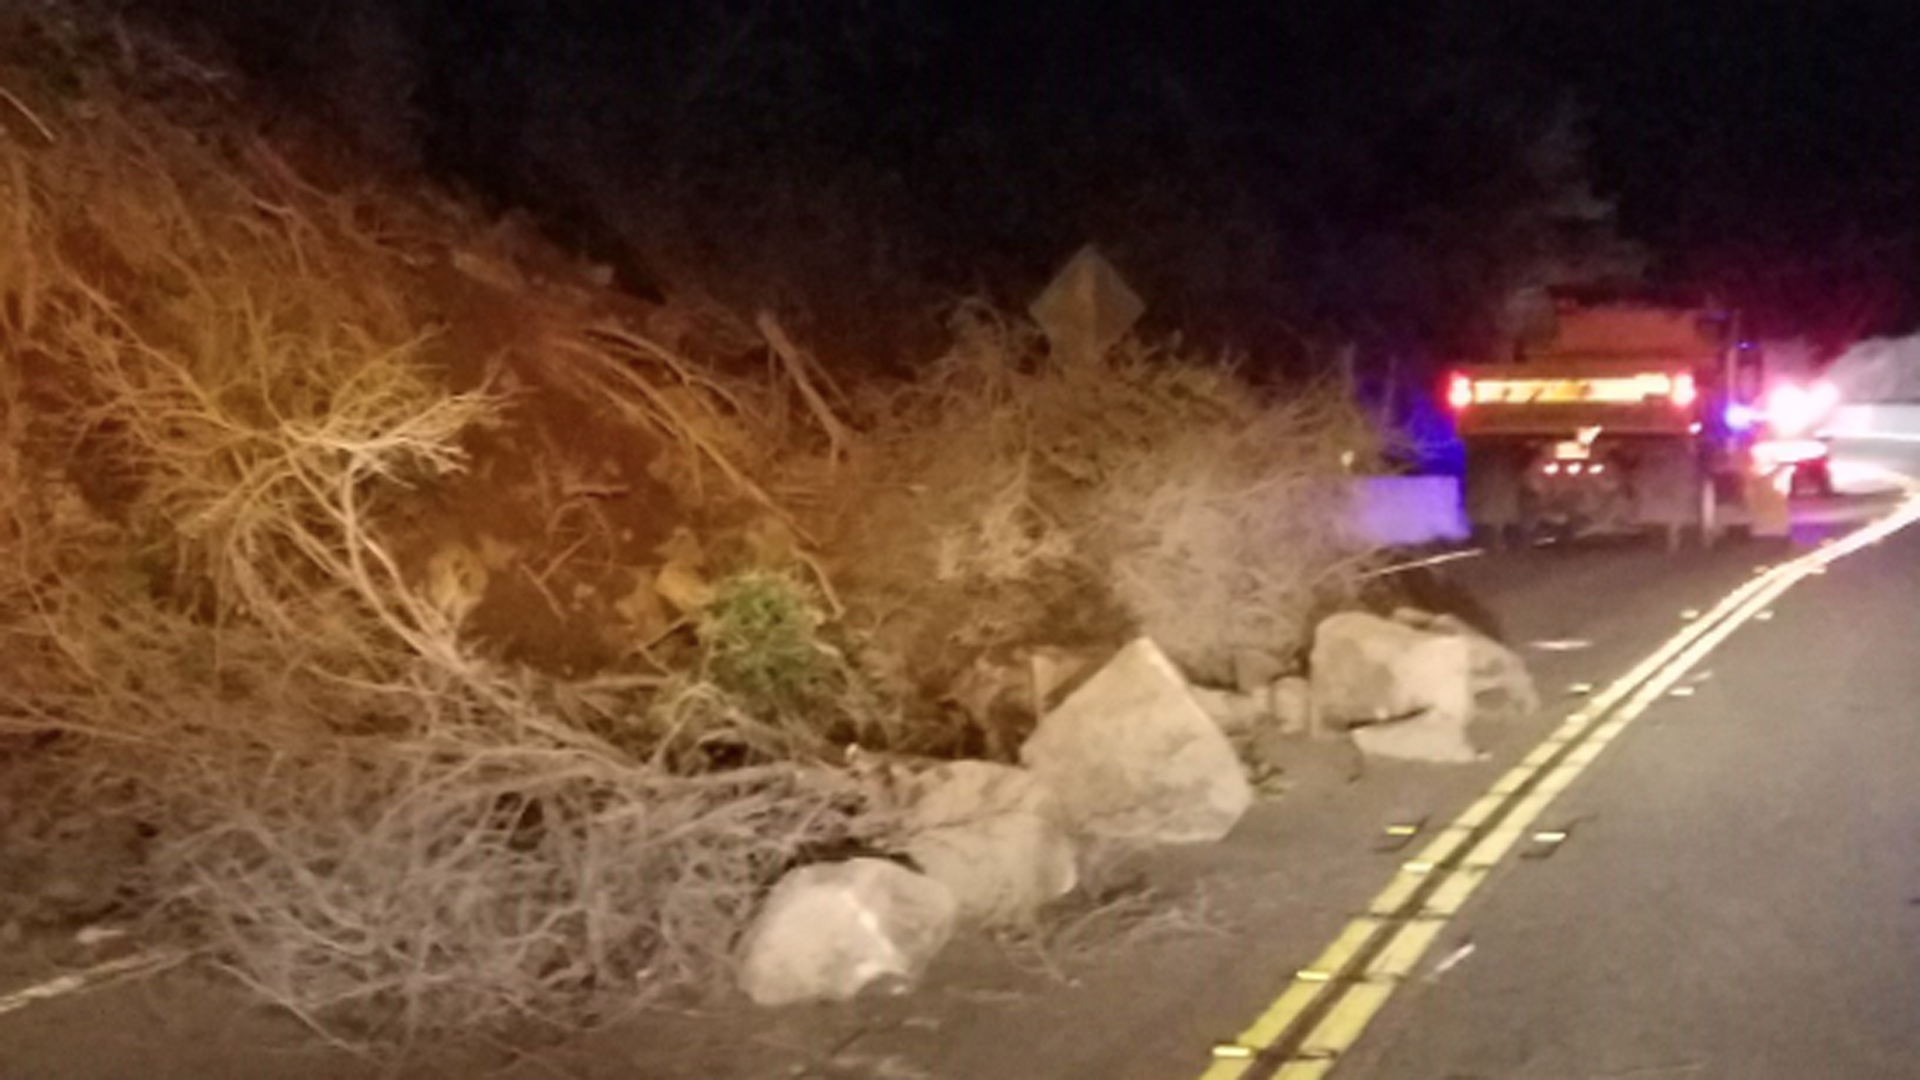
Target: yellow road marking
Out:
[1479,812]
[1398,891]
[1557,779]
[1543,753]
[1405,949]
[1442,847]
[1543,774]
[1515,779]
[1347,1019]
[1271,1026]
[1452,893]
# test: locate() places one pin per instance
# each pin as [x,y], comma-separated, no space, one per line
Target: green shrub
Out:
[761,639]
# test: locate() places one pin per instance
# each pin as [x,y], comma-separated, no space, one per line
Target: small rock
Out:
[1293,705]
[89,937]
[643,611]
[487,270]
[832,930]
[990,833]
[1132,756]
[683,587]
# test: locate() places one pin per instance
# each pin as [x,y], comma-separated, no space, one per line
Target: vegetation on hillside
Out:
[435,638]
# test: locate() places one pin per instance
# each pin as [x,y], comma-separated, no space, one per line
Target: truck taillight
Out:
[1459,392]
[1685,391]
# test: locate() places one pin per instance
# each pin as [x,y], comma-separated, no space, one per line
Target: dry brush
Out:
[216,393]
[222,385]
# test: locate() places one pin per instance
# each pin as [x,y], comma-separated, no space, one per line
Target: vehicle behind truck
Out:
[1626,415]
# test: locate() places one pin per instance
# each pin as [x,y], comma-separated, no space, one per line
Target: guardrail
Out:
[1880,422]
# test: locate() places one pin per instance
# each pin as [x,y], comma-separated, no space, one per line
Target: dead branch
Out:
[839,436]
[32,117]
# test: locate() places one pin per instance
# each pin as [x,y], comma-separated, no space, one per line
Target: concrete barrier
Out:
[1409,511]
[1875,423]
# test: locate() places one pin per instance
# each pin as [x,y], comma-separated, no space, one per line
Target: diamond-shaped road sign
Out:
[1087,308]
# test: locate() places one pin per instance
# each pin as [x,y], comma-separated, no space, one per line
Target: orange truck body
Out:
[1610,421]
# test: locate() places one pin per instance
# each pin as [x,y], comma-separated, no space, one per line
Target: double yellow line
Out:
[1327,1005]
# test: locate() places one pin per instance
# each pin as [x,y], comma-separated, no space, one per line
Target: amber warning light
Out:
[1678,390]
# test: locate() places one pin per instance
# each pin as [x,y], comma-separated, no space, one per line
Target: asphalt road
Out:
[1741,898]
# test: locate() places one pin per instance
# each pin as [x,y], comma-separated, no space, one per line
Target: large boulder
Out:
[990,834]
[1131,756]
[1502,685]
[830,930]
[1402,692]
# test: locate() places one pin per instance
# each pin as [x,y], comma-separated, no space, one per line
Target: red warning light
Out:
[1459,392]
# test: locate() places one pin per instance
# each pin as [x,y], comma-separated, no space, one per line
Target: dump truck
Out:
[1625,415]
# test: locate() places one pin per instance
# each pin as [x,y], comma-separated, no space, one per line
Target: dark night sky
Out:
[1761,139]
[1767,146]
[1774,144]
[1362,149]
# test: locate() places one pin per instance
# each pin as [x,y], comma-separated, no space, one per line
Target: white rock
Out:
[1293,705]
[1420,619]
[829,931]
[1502,686]
[990,833]
[682,585]
[1131,756]
[1405,693]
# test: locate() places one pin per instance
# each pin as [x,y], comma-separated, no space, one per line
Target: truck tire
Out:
[1677,493]
[1709,528]
[1705,527]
